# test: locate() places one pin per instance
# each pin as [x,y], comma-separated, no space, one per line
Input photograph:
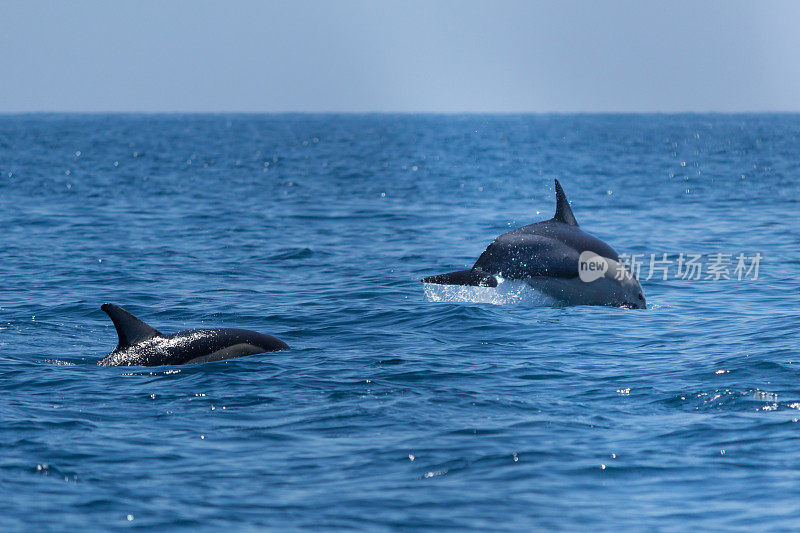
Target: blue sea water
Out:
[399,406]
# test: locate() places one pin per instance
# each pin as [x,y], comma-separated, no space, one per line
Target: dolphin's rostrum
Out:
[546,255]
[142,345]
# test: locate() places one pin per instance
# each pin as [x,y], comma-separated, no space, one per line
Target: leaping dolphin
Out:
[558,258]
[142,345]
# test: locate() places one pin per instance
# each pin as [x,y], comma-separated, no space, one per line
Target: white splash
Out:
[507,292]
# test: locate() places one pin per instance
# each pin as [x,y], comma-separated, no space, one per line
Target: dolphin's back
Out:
[572,236]
[550,248]
[206,345]
[194,346]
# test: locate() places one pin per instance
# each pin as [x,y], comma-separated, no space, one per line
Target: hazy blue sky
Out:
[446,56]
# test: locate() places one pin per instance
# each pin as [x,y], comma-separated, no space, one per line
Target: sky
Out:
[399,56]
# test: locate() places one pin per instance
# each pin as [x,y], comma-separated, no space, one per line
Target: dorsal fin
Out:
[563,210]
[129,328]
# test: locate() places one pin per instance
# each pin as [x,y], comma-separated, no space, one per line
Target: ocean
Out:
[400,406]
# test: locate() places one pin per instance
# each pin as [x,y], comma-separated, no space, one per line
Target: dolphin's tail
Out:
[475,277]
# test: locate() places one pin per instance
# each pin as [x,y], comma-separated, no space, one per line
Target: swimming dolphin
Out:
[141,345]
[558,258]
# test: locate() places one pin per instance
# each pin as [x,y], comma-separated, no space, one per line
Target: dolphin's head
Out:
[609,282]
[636,296]
[630,292]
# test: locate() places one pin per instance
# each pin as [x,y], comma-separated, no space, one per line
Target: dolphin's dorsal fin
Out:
[563,210]
[129,328]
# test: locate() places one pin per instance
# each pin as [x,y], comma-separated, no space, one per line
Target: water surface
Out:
[397,408]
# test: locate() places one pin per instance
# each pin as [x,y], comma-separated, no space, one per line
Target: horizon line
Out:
[421,112]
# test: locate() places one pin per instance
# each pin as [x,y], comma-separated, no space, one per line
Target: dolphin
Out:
[557,258]
[142,345]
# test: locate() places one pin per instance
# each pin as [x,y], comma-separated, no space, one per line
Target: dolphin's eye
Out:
[640,296]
